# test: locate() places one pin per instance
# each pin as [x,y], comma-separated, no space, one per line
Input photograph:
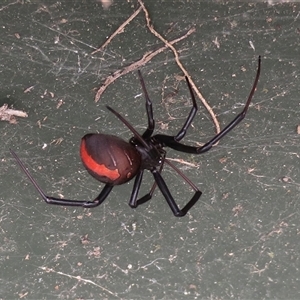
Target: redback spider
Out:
[113,161]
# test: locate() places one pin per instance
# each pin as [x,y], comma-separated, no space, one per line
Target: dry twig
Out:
[118,31]
[137,64]
[148,56]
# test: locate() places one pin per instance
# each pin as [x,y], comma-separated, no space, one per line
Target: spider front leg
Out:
[64,202]
[151,123]
[182,132]
[170,141]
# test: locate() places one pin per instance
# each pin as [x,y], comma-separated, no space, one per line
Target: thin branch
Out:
[118,31]
[137,64]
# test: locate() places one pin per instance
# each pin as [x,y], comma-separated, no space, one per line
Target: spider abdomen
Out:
[109,159]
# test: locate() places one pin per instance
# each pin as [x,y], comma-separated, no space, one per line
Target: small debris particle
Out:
[237,209]
[216,42]
[9,114]
[85,239]
[285,179]
[251,45]
[106,3]
[28,89]
[60,103]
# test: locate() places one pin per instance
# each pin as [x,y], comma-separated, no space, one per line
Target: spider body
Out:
[152,155]
[109,159]
[113,161]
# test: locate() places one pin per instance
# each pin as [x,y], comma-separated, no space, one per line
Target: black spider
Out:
[113,161]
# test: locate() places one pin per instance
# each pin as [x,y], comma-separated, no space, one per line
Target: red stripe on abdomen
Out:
[95,167]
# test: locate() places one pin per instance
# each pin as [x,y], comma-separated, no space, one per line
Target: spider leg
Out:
[136,187]
[149,109]
[151,122]
[159,181]
[180,135]
[65,202]
[169,198]
[170,141]
[135,190]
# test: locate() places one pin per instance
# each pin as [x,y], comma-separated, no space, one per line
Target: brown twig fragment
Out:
[8,114]
[185,72]
[79,278]
[137,64]
[118,31]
